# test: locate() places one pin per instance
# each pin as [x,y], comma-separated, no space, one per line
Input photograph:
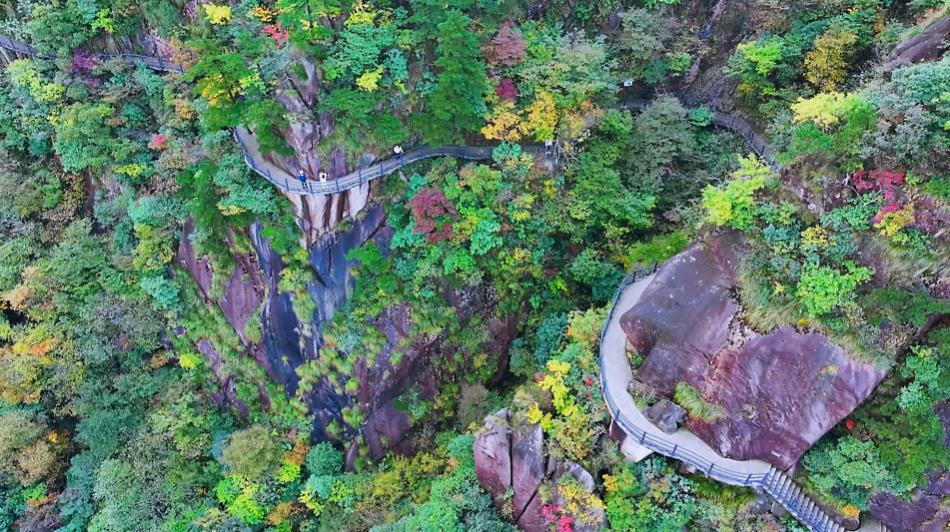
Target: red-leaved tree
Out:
[506,48]
[433,213]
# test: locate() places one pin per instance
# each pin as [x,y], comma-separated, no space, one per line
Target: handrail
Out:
[359,177]
[776,483]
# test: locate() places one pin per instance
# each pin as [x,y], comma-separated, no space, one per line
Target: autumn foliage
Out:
[507,47]
[432,212]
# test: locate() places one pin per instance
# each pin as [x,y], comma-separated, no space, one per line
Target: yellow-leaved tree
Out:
[541,117]
[217,14]
[369,80]
[503,124]
[827,64]
[826,109]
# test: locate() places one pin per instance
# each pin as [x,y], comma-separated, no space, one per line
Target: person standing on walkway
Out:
[302,177]
[397,149]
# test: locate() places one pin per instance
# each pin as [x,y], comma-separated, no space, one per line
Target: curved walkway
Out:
[283,180]
[642,436]
[156,62]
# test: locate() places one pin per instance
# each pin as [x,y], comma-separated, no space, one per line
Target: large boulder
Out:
[527,464]
[779,392]
[665,414]
[928,45]
[512,464]
[492,451]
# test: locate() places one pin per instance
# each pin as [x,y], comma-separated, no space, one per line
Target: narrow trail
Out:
[643,437]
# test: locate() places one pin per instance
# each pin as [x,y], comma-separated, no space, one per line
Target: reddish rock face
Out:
[243,292]
[527,465]
[511,456]
[924,46]
[682,319]
[492,451]
[780,392]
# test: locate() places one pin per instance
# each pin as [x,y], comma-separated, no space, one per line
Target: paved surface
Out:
[644,437]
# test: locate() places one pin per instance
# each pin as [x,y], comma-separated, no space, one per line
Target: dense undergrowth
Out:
[129,402]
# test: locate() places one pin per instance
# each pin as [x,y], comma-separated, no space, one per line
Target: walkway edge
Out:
[682,445]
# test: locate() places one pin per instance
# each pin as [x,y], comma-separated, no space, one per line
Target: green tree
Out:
[253,452]
[457,103]
[84,139]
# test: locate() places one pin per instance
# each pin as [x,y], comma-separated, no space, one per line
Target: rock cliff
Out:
[317,215]
[927,45]
[512,465]
[778,393]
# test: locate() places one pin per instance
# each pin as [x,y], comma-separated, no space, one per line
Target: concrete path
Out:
[643,437]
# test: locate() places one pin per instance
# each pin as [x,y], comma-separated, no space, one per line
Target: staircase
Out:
[781,487]
[642,439]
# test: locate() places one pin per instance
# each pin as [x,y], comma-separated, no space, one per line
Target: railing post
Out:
[709,471]
[643,436]
[675,446]
[749,477]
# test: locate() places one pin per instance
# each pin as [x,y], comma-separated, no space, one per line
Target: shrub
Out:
[689,398]
[253,452]
[324,459]
[734,204]
[822,289]
[827,64]
[847,470]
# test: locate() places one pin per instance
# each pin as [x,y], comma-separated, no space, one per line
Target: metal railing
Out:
[776,483]
[154,62]
[363,175]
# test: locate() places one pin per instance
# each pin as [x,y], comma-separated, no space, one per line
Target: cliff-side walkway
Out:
[643,437]
[286,182]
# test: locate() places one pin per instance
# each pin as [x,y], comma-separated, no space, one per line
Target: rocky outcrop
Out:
[243,290]
[927,512]
[726,23]
[381,383]
[527,464]
[927,45]
[511,463]
[778,392]
[666,415]
[492,451]
[333,284]
[317,215]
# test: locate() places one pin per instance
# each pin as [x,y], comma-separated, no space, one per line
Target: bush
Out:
[253,453]
[324,459]
[734,203]
[822,289]
[689,398]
